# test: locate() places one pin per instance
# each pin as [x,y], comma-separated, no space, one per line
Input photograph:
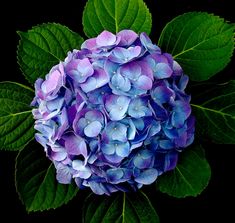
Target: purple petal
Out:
[89,44]
[177,69]
[79,70]
[162,70]
[131,70]
[63,174]
[75,145]
[143,83]
[99,79]
[106,39]
[162,94]
[127,37]
[51,83]
[58,156]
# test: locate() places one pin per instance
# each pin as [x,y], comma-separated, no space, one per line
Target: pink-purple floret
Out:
[114,115]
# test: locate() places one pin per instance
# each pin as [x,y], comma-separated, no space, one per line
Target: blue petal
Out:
[147,177]
[131,130]
[93,129]
[116,131]
[97,188]
[162,94]
[143,159]
[182,110]
[117,106]
[162,70]
[170,161]
[166,144]
[120,83]
[114,175]
[122,149]
[139,108]
[99,79]
[108,149]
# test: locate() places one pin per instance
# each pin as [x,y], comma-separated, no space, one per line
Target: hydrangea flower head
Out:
[114,115]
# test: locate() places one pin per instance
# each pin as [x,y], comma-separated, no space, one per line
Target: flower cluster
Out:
[114,115]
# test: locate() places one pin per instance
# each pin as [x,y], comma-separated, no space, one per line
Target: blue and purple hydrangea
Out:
[114,115]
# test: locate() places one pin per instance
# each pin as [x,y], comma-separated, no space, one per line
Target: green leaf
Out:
[116,15]
[190,177]
[214,108]
[36,181]
[119,208]
[44,46]
[16,120]
[202,43]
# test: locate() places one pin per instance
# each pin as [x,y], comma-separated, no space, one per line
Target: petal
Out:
[116,106]
[183,82]
[143,83]
[147,43]
[84,173]
[131,130]
[171,160]
[114,175]
[166,144]
[63,174]
[127,37]
[113,159]
[122,149]
[117,131]
[131,70]
[89,85]
[77,164]
[75,145]
[120,83]
[106,39]
[139,108]
[97,188]
[117,114]
[122,55]
[182,110]
[162,70]
[93,129]
[89,44]
[141,163]
[147,177]
[108,149]
[162,94]
[99,79]
[58,156]
[177,69]
[94,115]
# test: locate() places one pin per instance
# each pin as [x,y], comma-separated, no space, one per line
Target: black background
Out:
[216,203]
